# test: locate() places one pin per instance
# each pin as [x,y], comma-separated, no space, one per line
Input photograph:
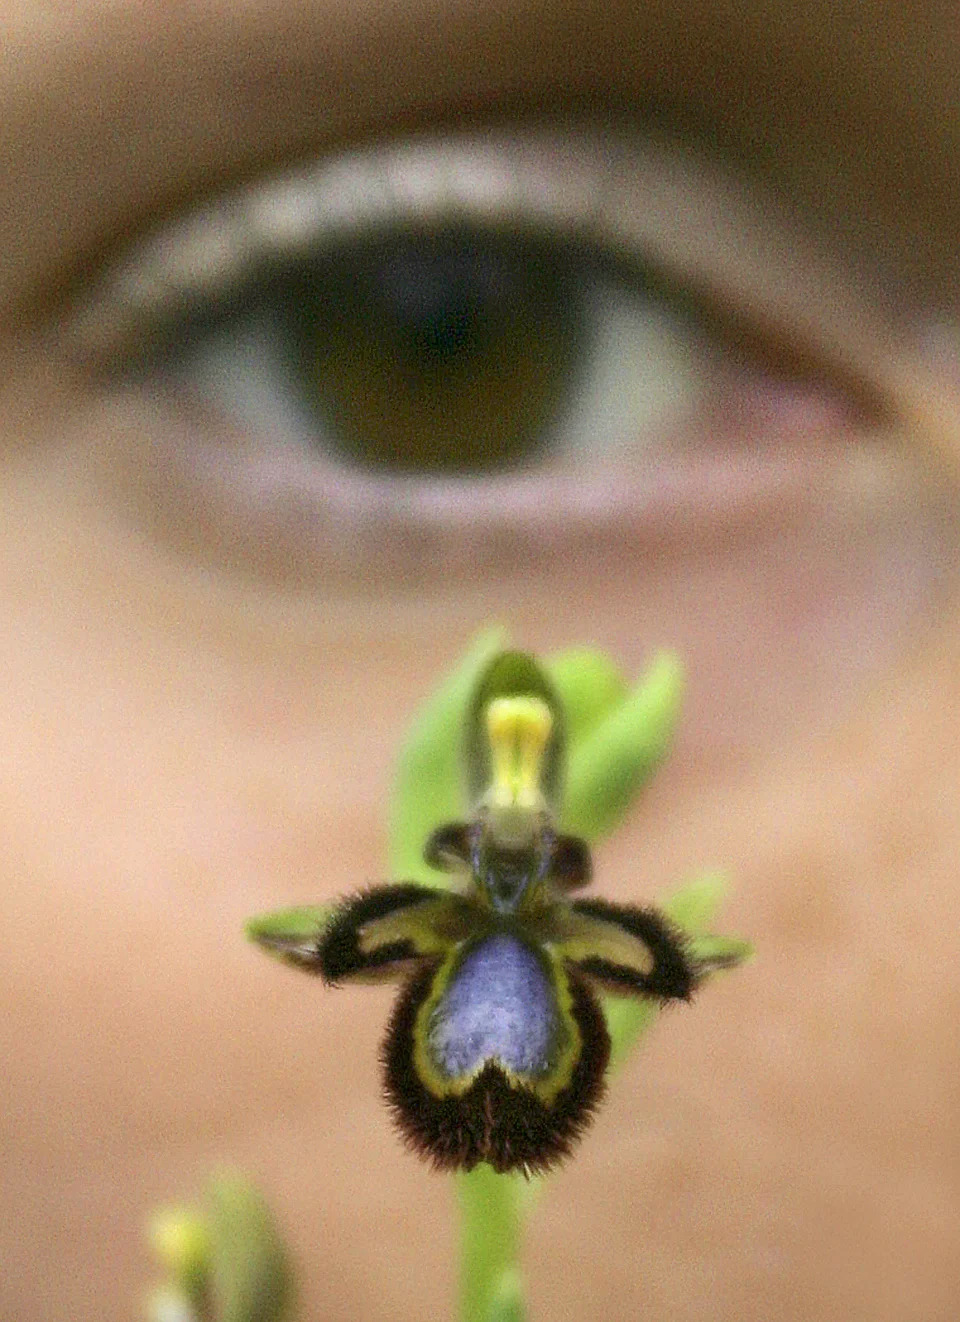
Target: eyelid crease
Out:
[643,201]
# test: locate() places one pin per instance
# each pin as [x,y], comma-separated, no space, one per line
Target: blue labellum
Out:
[499,1005]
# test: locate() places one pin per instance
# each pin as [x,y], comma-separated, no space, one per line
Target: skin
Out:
[192,735]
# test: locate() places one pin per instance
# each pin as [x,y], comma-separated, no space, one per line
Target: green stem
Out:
[492,1211]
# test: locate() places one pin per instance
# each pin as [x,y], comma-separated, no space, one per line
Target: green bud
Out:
[227,1262]
[250,1278]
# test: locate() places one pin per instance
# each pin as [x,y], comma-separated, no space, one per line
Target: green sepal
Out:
[589,687]
[613,761]
[691,908]
[289,934]
[718,953]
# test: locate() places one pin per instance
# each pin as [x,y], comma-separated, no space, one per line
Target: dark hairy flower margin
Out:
[497,1047]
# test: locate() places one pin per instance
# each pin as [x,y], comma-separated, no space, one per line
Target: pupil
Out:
[442,304]
[439,353]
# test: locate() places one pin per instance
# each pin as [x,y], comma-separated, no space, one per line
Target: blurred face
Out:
[334,334]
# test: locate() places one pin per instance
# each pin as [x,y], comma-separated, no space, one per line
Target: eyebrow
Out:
[118,112]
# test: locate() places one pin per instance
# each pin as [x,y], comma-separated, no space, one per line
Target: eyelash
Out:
[604,190]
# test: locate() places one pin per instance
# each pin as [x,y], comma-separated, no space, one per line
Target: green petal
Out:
[429,788]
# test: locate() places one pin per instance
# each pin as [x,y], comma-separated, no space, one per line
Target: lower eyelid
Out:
[282,510]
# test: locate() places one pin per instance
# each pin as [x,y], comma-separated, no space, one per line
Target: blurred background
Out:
[334,336]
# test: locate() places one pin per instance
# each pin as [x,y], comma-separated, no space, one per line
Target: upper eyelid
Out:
[626,194]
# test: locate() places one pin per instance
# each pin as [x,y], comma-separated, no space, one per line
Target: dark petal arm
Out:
[379,934]
[628,951]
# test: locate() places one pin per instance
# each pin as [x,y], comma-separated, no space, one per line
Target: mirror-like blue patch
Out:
[499,1005]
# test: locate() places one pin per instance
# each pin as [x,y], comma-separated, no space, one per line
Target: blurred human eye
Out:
[457,332]
[496,356]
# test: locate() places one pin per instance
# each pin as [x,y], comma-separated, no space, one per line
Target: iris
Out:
[497,1047]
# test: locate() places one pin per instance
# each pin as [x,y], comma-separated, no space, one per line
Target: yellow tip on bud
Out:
[181,1242]
[518,728]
